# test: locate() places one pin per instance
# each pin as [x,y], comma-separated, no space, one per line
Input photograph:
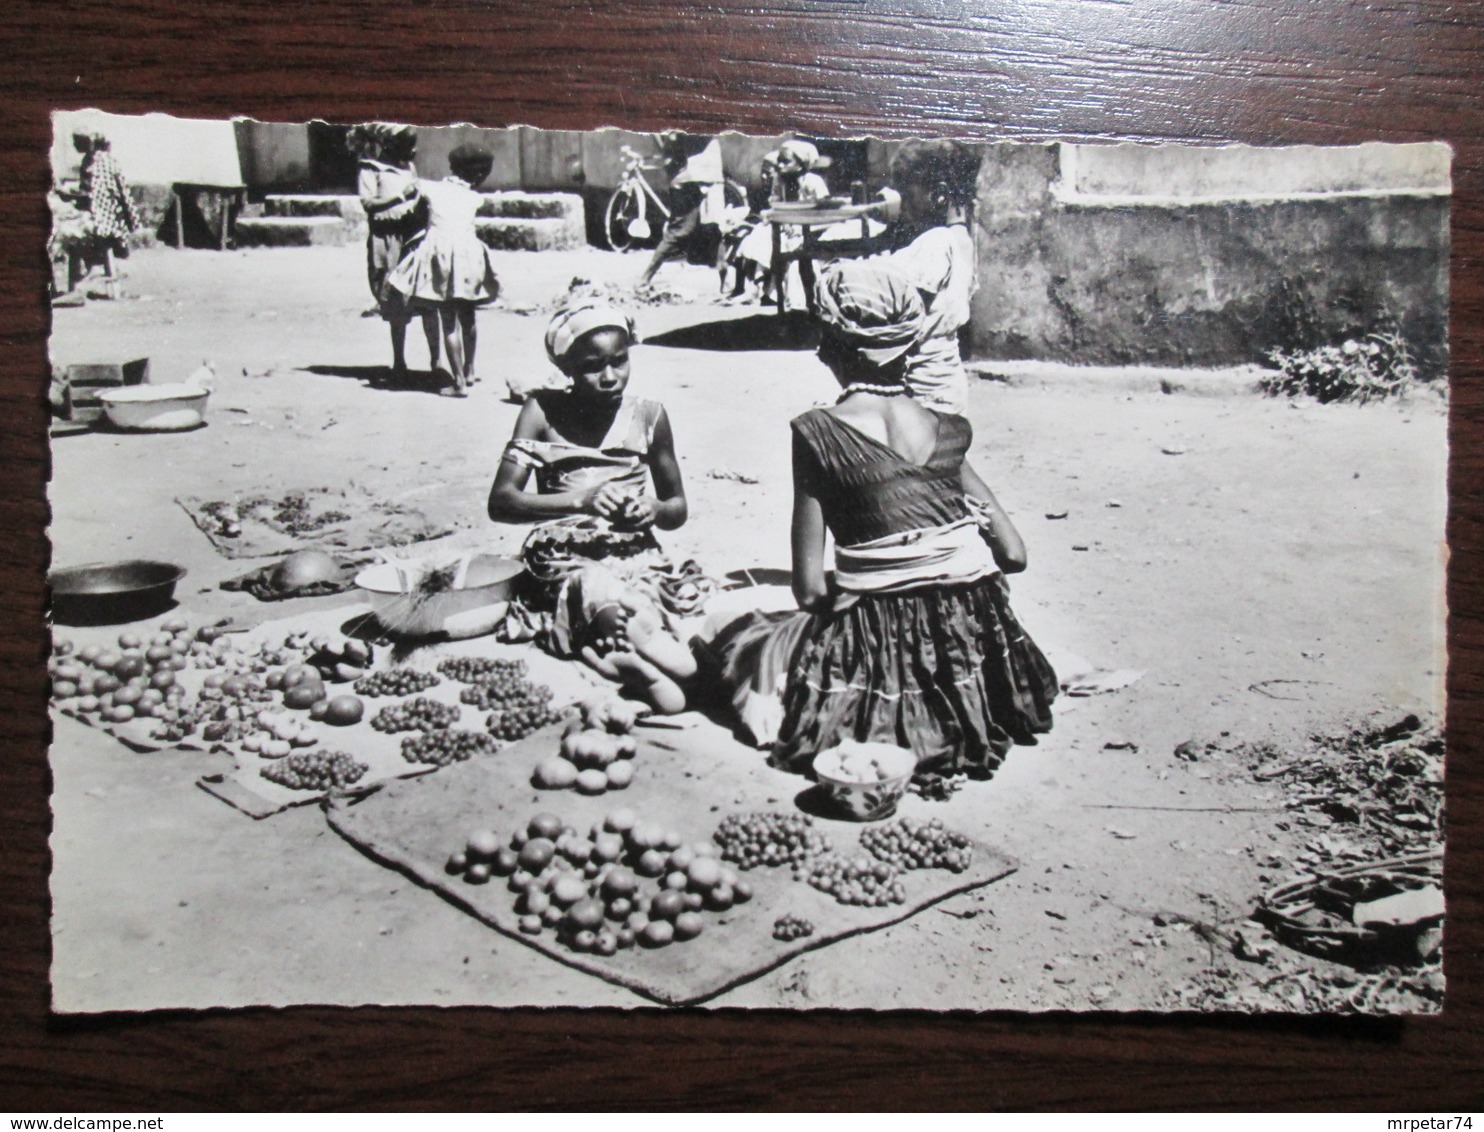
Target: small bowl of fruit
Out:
[865,781]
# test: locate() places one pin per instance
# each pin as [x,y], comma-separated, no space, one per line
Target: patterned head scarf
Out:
[873,307]
[571,323]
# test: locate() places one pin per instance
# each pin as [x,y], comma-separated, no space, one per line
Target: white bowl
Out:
[471,610]
[865,781]
[155,408]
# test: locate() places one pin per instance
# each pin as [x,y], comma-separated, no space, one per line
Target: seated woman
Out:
[600,454]
[912,641]
[593,449]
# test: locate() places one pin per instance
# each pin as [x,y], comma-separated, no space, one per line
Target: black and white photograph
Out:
[499,566]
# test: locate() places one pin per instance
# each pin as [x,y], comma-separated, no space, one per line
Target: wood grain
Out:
[1260,71]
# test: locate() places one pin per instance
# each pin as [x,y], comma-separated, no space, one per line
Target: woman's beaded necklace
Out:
[867,387]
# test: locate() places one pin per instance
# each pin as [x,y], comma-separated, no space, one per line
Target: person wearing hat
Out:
[396,218]
[593,449]
[911,639]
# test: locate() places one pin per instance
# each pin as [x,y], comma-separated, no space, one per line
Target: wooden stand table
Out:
[227,197]
[812,221]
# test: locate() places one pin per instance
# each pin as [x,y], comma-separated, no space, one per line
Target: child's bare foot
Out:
[651,641]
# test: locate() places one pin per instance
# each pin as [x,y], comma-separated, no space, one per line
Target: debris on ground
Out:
[729,474]
[1102,681]
[1361,926]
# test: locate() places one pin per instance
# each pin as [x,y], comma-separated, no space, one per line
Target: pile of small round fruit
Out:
[594,758]
[315,770]
[863,881]
[910,844]
[789,927]
[517,706]
[138,678]
[396,682]
[418,714]
[769,838]
[448,745]
[592,890]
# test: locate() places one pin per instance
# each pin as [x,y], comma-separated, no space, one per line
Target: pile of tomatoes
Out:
[136,679]
[627,882]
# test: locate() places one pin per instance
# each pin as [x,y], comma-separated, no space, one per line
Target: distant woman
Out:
[108,216]
[396,218]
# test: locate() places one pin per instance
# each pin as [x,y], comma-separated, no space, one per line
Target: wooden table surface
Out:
[1258,71]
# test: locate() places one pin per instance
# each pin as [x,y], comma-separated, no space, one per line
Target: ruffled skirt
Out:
[446,266]
[947,672]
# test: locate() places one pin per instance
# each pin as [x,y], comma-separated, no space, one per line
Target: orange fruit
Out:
[585,914]
[620,820]
[657,933]
[619,775]
[548,826]
[482,845]
[568,889]
[688,925]
[536,854]
[704,872]
[667,905]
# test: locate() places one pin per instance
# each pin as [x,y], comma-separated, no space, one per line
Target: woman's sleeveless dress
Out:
[945,669]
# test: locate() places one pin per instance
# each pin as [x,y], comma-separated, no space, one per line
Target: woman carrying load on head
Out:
[396,218]
[911,639]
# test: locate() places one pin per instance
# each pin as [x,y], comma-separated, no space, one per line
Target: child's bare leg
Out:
[430,332]
[398,327]
[470,331]
[453,345]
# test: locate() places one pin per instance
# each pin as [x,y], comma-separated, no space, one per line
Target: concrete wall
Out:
[274,155]
[1140,274]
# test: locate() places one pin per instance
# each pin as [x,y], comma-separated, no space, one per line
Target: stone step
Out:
[513,234]
[293,231]
[347,207]
[533,206]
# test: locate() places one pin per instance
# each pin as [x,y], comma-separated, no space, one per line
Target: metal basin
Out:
[109,593]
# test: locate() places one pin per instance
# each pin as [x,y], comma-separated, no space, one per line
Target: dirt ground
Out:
[1213,542]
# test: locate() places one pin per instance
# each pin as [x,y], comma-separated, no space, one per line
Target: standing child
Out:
[797,180]
[750,251]
[395,217]
[451,271]
[936,180]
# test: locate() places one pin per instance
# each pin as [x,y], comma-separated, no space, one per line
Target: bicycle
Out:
[626,218]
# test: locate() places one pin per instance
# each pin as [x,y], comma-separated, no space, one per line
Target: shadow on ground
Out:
[793,330]
[382,377]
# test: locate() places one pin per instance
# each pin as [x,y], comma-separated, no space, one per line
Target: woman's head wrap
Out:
[873,307]
[571,323]
[95,139]
[805,153]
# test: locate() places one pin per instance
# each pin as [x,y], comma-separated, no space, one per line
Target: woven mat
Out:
[686,780]
[245,788]
[333,519]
